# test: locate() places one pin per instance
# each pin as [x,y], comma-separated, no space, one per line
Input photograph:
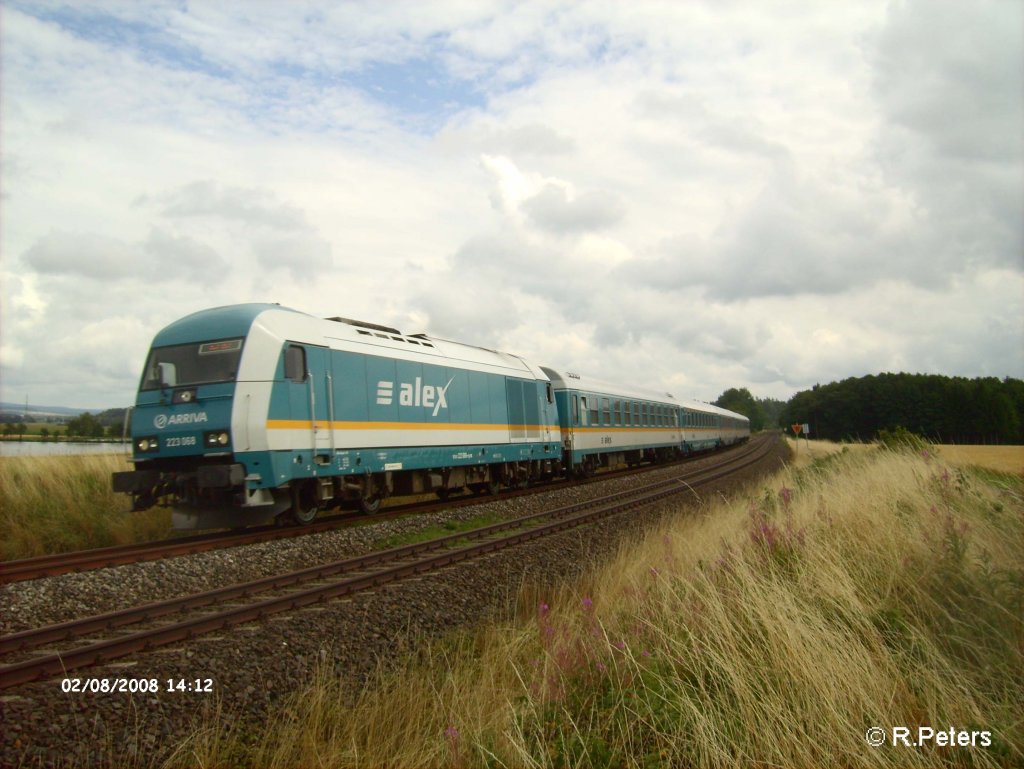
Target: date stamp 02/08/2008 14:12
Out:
[135,685]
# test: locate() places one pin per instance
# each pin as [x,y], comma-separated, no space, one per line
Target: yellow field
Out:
[1007,459]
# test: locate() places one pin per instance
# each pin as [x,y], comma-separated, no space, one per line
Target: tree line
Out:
[106,424]
[763,413]
[939,408]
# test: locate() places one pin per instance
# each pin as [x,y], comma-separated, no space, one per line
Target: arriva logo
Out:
[160,421]
[417,394]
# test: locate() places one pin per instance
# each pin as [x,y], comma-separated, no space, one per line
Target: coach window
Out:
[594,419]
[551,393]
[606,407]
[576,408]
[629,413]
[295,363]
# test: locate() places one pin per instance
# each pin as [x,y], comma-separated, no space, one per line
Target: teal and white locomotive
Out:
[255,412]
[249,412]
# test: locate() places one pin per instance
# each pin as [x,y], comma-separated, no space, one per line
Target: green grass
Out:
[437,531]
[58,504]
[873,589]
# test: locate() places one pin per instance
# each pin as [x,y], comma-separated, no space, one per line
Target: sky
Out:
[685,195]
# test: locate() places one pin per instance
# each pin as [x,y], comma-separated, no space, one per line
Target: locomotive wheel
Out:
[304,504]
[489,488]
[369,505]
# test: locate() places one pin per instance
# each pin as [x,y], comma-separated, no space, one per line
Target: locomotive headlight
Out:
[216,439]
[147,444]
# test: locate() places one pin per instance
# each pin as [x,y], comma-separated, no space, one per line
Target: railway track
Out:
[118,555]
[31,654]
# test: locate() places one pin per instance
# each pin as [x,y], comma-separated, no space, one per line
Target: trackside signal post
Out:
[798,429]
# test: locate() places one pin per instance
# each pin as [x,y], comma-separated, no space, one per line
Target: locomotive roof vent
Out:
[364,324]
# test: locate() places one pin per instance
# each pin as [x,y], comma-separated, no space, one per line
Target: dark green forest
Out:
[763,413]
[941,409]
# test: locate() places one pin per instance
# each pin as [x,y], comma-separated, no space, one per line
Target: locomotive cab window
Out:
[192,364]
[295,363]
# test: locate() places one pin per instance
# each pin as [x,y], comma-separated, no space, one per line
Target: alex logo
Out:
[414,394]
[160,421]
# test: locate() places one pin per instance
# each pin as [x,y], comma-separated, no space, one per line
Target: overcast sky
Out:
[687,195]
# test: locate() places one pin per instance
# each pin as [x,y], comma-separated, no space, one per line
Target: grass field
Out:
[63,503]
[868,589]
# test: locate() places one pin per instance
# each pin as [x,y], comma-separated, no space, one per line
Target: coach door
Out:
[308,371]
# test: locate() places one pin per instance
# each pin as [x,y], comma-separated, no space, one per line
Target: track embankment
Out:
[247,669]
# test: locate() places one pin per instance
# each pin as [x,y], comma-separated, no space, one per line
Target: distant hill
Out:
[44,411]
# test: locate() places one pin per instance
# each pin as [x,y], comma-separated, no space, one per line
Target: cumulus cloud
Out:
[949,83]
[86,255]
[250,207]
[534,140]
[553,209]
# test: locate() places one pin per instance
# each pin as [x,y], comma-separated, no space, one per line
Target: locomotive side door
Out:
[310,395]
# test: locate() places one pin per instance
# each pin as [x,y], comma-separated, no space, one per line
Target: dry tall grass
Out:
[873,589]
[62,503]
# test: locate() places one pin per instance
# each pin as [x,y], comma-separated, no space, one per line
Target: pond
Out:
[58,448]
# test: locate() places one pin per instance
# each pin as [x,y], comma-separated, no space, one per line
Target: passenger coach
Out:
[606,425]
[707,427]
